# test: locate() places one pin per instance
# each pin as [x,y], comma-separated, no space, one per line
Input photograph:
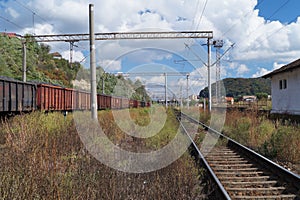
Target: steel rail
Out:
[222,191]
[290,177]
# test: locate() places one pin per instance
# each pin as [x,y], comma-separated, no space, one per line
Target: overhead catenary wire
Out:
[268,18]
[200,18]
[231,27]
[34,13]
[196,28]
[11,22]
[260,42]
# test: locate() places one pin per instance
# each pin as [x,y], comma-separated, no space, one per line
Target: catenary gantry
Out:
[120,36]
[123,36]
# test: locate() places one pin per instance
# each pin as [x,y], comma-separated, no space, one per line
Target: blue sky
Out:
[287,10]
[265,34]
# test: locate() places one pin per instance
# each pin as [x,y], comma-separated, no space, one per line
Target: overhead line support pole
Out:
[93,63]
[24,64]
[208,74]
[187,91]
[166,88]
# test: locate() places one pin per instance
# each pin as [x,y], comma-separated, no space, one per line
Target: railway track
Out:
[240,173]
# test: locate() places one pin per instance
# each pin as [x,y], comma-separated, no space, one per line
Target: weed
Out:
[42,157]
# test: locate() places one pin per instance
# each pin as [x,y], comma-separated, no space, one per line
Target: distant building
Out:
[56,55]
[193,97]
[249,98]
[11,35]
[285,83]
[229,100]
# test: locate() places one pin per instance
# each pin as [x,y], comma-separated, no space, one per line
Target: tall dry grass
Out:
[275,139]
[42,157]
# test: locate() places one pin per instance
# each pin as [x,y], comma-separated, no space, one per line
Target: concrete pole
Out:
[24,67]
[93,64]
[181,97]
[103,84]
[166,87]
[187,91]
[208,72]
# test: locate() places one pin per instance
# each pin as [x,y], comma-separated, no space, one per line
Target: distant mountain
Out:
[235,87]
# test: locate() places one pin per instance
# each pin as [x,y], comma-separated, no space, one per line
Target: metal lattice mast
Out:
[72,51]
[218,44]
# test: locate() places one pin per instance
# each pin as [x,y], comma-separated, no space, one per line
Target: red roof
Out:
[289,67]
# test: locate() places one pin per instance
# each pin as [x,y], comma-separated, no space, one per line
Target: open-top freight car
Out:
[103,101]
[16,96]
[57,98]
[50,97]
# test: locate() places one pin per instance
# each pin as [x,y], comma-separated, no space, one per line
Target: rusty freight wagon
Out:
[103,101]
[50,97]
[17,96]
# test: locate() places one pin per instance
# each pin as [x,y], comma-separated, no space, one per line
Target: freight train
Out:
[18,96]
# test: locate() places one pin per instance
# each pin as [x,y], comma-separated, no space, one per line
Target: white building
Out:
[193,97]
[285,83]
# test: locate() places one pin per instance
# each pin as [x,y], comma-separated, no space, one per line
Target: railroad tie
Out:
[242,179]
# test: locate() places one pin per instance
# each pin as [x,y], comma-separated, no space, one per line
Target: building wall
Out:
[286,99]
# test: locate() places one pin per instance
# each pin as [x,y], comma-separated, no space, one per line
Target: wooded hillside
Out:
[43,66]
[236,87]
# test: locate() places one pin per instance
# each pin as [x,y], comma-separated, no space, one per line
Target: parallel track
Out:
[240,173]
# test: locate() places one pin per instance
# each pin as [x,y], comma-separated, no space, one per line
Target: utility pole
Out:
[166,87]
[187,91]
[180,96]
[93,63]
[24,61]
[208,71]
[103,84]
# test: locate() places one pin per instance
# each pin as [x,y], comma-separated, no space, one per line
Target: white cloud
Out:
[13,12]
[242,69]
[157,79]
[110,65]
[76,57]
[277,65]
[40,29]
[260,72]
[256,39]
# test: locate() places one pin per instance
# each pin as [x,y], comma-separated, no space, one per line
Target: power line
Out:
[13,23]
[276,11]
[34,13]
[201,15]
[195,14]
[187,46]
[197,26]
[229,29]
[276,31]
[29,9]
[268,18]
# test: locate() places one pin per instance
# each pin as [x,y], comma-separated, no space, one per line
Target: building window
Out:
[282,84]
